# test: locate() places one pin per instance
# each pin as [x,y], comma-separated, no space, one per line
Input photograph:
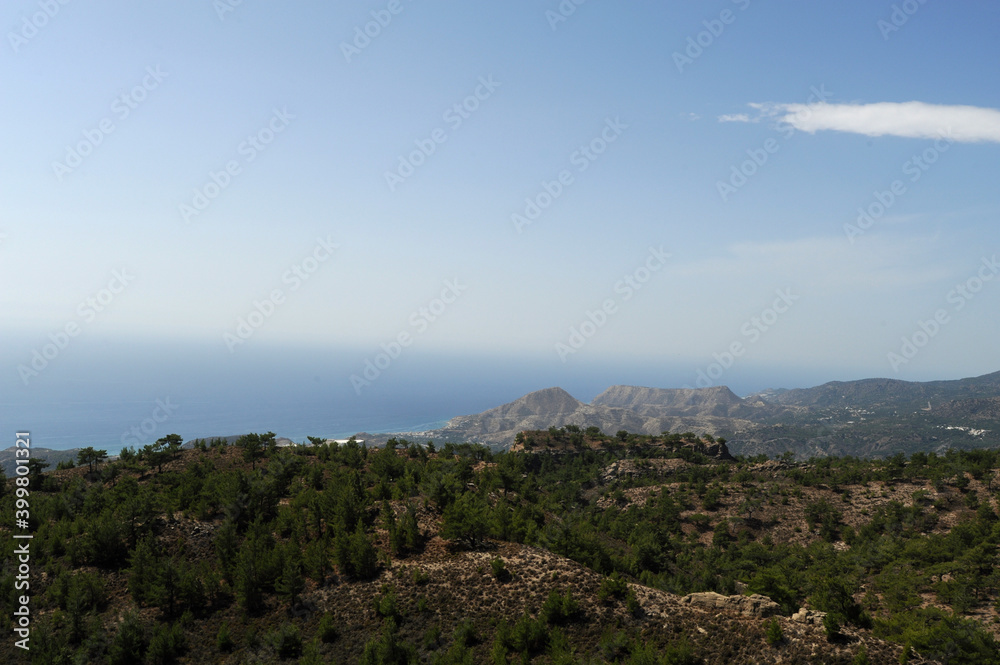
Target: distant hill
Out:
[865,418]
[716,401]
[888,392]
[53,457]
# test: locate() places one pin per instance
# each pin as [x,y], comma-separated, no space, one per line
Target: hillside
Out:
[50,456]
[590,549]
[865,418]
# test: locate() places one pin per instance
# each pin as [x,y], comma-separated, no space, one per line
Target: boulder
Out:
[809,617]
[755,605]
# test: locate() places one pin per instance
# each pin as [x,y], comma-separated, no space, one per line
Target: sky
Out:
[750,193]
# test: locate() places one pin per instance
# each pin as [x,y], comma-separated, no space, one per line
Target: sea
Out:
[114,392]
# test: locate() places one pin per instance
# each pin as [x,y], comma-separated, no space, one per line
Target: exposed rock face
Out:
[753,606]
[809,617]
[718,451]
[628,468]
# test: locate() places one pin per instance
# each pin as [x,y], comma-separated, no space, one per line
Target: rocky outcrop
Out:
[809,617]
[755,605]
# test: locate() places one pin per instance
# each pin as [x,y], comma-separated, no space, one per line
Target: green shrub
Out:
[223,641]
[129,643]
[466,634]
[612,587]
[773,633]
[432,637]
[387,649]
[499,568]
[327,630]
[632,603]
[613,646]
[559,609]
[166,644]
[386,606]
[286,640]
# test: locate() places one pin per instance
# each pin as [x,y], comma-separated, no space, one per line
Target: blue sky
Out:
[744,161]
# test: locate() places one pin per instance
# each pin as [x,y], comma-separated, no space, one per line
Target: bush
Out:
[311,654]
[499,568]
[632,603]
[679,653]
[129,643]
[223,641]
[466,634]
[387,649]
[167,642]
[831,626]
[386,607]
[613,587]
[432,637]
[613,646]
[773,633]
[559,609]
[327,630]
[286,640]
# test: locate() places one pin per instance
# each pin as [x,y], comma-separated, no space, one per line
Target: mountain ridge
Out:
[866,417]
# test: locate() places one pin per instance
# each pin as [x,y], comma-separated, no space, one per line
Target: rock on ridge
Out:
[755,605]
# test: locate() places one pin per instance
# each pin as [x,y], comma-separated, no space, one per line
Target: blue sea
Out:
[109,393]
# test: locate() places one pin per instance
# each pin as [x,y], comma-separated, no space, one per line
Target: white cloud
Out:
[965,124]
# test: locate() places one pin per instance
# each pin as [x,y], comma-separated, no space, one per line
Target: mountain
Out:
[52,457]
[888,392]
[865,418]
[716,401]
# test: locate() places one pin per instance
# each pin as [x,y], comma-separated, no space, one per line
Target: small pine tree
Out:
[632,603]
[223,641]
[773,634]
[327,630]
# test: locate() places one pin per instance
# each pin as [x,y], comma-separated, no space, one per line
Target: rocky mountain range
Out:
[869,417]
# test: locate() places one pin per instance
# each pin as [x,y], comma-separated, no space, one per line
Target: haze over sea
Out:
[98,390]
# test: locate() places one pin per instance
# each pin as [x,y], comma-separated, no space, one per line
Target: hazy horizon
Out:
[413,208]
